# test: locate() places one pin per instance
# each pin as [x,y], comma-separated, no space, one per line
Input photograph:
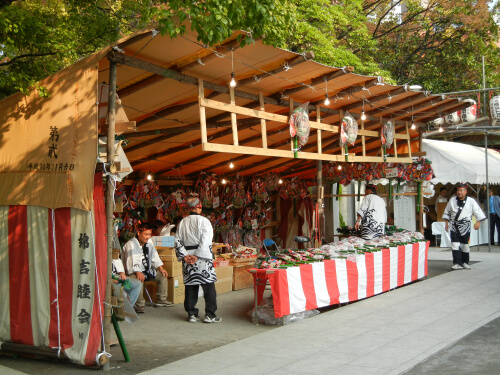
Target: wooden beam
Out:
[290,63]
[400,103]
[263,128]
[393,91]
[318,80]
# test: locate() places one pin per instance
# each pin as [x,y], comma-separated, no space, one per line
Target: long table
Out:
[319,284]
[477,237]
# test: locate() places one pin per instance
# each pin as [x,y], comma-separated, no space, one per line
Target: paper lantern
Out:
[453,118]
[495,108]
[469,113]
[437,122]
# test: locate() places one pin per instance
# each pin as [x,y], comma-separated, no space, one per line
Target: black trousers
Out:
[494,223]
[191,299]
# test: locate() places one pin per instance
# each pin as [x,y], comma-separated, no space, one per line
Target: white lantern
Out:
[453,118]
[469,113]
[495,108]
[437,122]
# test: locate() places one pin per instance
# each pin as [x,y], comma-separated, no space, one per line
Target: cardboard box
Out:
[224,279]
[242,279]
[163,241]
[175,290]
[173,268]
[162,250]
[116,254]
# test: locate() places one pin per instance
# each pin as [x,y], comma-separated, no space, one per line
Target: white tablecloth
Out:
[476,236]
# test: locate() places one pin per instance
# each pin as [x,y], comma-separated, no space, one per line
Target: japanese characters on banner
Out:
[56,151]
[52,292]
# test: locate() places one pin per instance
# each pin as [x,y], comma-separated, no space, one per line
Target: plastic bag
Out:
[387,135]
[348,130]
[299,124]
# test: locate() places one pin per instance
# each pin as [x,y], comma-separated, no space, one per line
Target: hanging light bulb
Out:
[363,116]
[223,181]
[440,129]
[339,167]
[233,81]
[149,177]
[280,181]
[231,165]
[327,101]
[413,126]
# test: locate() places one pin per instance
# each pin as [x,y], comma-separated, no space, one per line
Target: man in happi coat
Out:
[193,245]
[142,262]
[458,217]
[372,215]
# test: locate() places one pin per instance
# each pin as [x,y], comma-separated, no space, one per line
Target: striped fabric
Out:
[320,284]
[48,279]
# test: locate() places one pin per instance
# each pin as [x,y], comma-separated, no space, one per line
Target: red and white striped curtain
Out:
[53,277]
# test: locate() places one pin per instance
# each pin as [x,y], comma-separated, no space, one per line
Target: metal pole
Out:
[487,191]
[484,87]
[109,200]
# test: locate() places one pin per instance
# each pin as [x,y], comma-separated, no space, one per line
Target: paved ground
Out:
[442,325]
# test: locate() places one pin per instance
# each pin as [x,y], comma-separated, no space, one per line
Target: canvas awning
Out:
[454,162]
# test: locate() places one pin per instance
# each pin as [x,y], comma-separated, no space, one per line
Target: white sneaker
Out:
[193,319]
[457,267]
[466,266]
[216,319]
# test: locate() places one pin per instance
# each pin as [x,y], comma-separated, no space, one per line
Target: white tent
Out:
[457,162]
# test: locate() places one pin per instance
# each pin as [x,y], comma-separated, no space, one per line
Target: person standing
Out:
[193,245]
[459,212]
[494,216]
[142,262]
[372,215]
[441,198]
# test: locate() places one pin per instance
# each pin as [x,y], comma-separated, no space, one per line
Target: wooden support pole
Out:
[110,202]
[234,124]
[263,129]
[318,132]
[203,118]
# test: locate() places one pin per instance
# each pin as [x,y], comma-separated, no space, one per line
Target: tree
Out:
[39,37]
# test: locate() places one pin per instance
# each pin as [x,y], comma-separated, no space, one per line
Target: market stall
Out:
[319,284]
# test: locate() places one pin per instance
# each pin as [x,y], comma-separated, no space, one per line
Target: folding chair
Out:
[268,245]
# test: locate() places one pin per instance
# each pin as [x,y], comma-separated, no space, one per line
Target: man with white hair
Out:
[193,245]
[459,212]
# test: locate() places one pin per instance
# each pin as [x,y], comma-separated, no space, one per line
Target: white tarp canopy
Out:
[457,162]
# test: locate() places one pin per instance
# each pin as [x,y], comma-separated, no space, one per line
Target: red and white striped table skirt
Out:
[330,282]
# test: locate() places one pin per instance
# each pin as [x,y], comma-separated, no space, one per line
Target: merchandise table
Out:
[319,284]
[477,237]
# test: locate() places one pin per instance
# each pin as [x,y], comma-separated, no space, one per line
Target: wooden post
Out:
[263,129]
[234,125]
[110,202]
[318,131]
[363,141]
[203,116]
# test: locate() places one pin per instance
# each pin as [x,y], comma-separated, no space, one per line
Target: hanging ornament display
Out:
[272,181]
[348,133]
[299,126]
[469,113]
[387,136]
[234,193]
[258,188]
[453,118]
[495,108]
[293,188]
[145,193]
[207,188]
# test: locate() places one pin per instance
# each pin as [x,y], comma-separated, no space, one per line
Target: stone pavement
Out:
[412,329]
[386,334]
